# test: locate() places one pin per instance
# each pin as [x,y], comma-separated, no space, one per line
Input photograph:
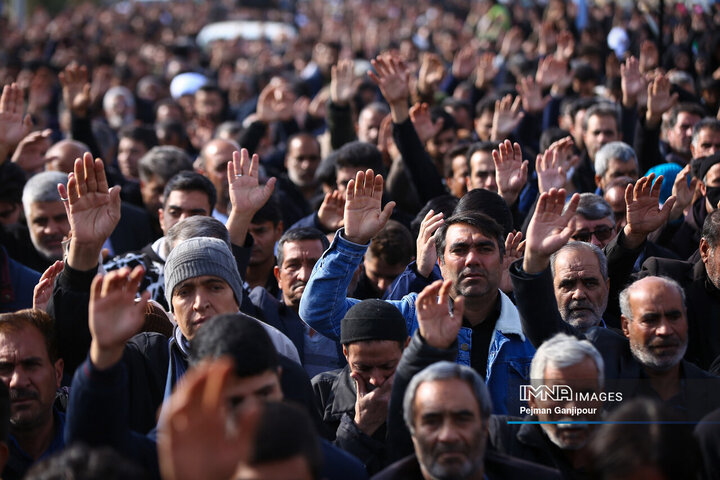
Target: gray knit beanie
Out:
[196,257]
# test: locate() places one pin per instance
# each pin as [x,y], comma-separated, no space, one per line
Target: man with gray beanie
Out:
[353,401]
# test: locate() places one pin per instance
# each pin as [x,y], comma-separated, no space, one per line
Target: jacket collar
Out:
[509,320]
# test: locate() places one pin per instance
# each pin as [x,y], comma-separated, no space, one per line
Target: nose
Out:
[595,241]
[200,302]
[579,294]
[376,377]
[383,284]
[447,433]
[304,273]
[18,378]
[663,329]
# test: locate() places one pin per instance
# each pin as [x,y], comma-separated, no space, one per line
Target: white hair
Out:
[564,351]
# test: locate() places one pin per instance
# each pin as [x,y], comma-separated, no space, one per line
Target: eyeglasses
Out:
[601,233]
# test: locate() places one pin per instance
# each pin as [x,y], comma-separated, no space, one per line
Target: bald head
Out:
[61,156]
[212,163]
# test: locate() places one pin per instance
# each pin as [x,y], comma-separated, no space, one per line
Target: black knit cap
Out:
[373,319]
[706,163]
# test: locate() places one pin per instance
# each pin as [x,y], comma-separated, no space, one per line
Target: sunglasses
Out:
[601,233]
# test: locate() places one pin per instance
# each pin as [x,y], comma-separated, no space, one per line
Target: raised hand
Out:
[549,229]
[514,249]
[44,288]
[371,408]
[29,153]
[438,322]
[432,72]
[632,81]
[114,315]
[275,103]
[76,89]
[425,244]
[506,117]
[13,125]
[392,75]
[643,211]
[649,56]
[565,46]
[332,210]
[464,62]
[364,216]
[550,71]
[533,100]
[659,99]
[198,436]
[422,121]
[486,71]
[341,83]
[553,165]
[682,192]
[512,42]
[510,170]
[93,211]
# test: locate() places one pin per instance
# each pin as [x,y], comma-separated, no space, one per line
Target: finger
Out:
[89,172]
[458,308]
[136,276]
[444,293]
[571,208]
[350,190]
[378,187]
[96,288]
[269,188]
[369,183]
[234,166]
[667,206]
[254,165]
[360,388]
[628,194]
[655,189]
[100,177]
[217,380]
[244,160]
[386,212]
[428,295]
[79,179]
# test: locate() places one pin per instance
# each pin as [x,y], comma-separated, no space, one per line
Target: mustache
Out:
[298,284]
[18,394]
[473,271]
[664,343]
[456,447]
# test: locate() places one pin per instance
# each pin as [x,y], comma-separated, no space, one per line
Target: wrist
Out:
[652,121]
[104,358]
[533,263]
[633,239]
[83,256]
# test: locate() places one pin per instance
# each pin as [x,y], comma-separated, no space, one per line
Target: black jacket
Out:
[335,396]
[497,466]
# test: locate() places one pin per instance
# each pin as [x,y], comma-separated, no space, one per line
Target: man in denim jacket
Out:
[470,253]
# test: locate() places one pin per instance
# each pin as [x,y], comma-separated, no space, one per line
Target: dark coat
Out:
[335,397]
[497,466]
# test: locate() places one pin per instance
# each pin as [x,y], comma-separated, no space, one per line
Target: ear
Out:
[703,188]
[598,180]
[276,272]
[704,250]
[625,325]
[345,351]
[59,365]
[468,185]
[407,342]
[161,214]
[692,150]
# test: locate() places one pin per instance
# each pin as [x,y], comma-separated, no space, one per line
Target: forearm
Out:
[324,301]
[340,125]
[84,256]
[424,175]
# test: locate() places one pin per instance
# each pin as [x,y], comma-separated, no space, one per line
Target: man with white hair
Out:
[612,160]
[562,360]
[119,107]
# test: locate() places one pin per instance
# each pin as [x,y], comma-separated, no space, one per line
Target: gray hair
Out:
[193,227]
[706,123]
[118,91]
[446,371]
[377,107]
[564,351]
[164,161]
[42,188]
[614,150]
[602,109]
[593,207]
[625,294]
[579,247]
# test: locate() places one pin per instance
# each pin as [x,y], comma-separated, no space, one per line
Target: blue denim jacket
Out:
[325,302]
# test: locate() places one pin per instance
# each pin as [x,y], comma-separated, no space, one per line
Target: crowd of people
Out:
[426,240]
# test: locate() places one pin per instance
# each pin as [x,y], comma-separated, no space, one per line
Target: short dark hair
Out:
[443,203]
[486,147]
[551,135]
[270,212]
[711,229]
[239,337]
[486,225]
[163,161]
[297,235]
[141,133]
[393,244]
[32,317]
[285,431]
[687,107]
[486,104]
[188,181]
[449,122]
[360,155]
[489,203]
[81,462]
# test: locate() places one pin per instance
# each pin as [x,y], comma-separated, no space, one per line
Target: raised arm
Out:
[13,125]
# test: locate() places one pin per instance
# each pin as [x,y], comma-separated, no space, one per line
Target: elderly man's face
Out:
[598,232]
[658,328]
[48,224]
[711,258]
[373,360]
[449,431]
[617,168]
[302,160]
[298,259]
[581,378]
[196,300]
[680,135]
[580,290]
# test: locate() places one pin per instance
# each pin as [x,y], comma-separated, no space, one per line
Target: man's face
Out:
[483,126]
[217,154]
[680,135]
[482,172]
[129,153]
[598,232]
[615,197]
[48,224]
[380,273]
[449,433]
[658,328]
[601,129]
[208,105]
[581,378]
[264,234]
[706,143]
[302,160]
[617,168]
[151,192]
[343,176]
[369,125]
[441,143]
[32,378]
[181,204]
[471,260]
[374,360]
[580,291]
[712,179]
[197,300]
[61,157]
[457,183]
[299,258]
[711,259]
[263,387]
